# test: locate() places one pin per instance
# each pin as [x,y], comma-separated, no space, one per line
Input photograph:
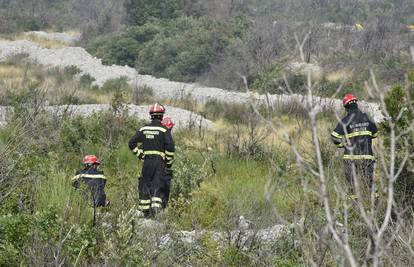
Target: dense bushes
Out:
[140,12]
[216,42]
[399,105]
[181,49]
[93,17]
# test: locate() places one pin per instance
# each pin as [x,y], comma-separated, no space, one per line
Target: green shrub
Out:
[116,85]
[214,109]
[9,255]
[47,223]
[206,209]
[140,12]
[267,81]
[86,81]
[15,229]
[398,102]
[144,33]
[185,49]
[142,95]
[231,112]
[233,256]
[181,49]
[83,241]
[187,176]
[328,89]
[103,129]
[120,51]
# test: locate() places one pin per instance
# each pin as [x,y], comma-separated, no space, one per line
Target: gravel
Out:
[79,57]
[183,119]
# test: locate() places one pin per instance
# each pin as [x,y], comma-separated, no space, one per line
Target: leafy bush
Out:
[140,12]
[398,102]
[104,129]
[180,49]
[86,81]
[142,95]
[116,85]
[231,112]
[187,176]
[15,229]
[120,51]
[267,82]
[185,48]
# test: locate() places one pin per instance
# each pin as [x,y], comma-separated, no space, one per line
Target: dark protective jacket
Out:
[355,133]
[156,140]
[96,182]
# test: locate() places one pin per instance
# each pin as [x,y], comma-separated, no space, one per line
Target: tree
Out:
[140,12]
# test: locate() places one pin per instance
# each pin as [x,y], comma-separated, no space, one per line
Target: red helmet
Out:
[156,109]
[90,159]
[167,122]
[348,98]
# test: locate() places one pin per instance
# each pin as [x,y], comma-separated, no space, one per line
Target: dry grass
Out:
[339,75]
[12,77]
[284,127]
[15,77]
[45,43]
[9,71]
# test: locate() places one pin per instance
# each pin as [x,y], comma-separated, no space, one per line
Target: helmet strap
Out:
[156,117]
[351,106]
[87,166]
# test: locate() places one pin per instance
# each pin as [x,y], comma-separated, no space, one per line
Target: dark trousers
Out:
[150,184]
[165,189]
[364,170]
[96,187]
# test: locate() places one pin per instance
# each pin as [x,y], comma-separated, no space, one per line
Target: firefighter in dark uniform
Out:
[158,151]
[93,178]
[168,174]
[354,133]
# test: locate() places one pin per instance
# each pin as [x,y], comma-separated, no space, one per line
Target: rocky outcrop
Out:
[242,236]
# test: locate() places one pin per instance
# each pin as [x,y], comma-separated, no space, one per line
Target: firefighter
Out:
[158,151]
[168,174]
[93,178]
[166,181]
[354,133]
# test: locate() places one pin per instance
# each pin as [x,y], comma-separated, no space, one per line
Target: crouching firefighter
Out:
[158,151]
[354,133]
[93,178]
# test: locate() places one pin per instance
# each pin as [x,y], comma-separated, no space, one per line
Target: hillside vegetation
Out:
[214,43]
[260,167]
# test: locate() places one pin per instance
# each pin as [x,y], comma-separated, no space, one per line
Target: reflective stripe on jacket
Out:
[155,139]
[355,133]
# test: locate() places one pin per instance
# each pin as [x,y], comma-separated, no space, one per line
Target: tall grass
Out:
[42,42]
